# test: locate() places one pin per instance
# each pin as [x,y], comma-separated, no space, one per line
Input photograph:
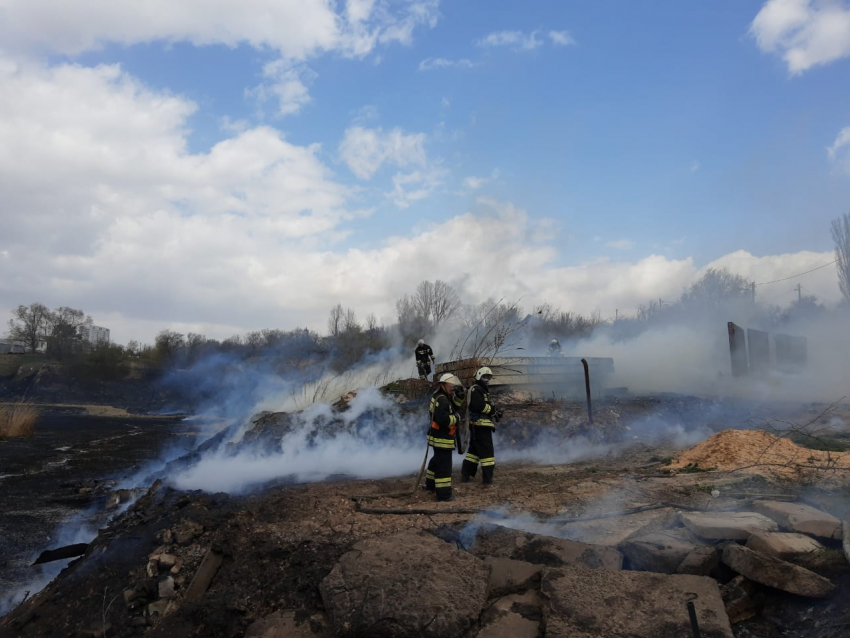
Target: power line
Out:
[776,281]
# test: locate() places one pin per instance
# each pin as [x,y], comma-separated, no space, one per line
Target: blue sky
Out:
[593,141]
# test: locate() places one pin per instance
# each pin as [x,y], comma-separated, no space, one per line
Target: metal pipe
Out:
[692,612]
[587,388]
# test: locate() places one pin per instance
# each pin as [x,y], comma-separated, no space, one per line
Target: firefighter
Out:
[424,359]
[445,420]
[554,348]
[483,416]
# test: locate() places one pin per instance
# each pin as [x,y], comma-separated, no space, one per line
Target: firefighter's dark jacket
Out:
[424,353]
[445,419]
[480,407]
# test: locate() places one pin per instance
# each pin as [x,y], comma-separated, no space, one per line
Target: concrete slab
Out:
[504,542]
[726,525]
[586,603]
[797,517]
[783,545]
[776,573]
[615,531]
[513,616]
[660,551]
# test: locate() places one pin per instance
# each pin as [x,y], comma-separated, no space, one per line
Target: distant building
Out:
[94,335]
[12,346]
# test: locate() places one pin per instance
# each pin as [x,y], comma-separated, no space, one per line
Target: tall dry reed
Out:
[17,419]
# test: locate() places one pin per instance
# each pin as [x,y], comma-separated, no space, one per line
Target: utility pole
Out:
[799,290]
[753,288]
[616,314]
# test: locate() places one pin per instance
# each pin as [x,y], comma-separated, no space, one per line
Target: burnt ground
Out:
[277,544]
[54,485]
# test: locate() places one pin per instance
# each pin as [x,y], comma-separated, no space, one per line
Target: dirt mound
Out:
[762,453]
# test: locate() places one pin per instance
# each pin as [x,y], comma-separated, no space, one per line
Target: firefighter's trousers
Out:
[480,451]
[439,474]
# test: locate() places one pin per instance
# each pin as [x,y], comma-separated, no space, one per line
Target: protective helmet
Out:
[421,341]
[483,372]
[449,378]
[554,341]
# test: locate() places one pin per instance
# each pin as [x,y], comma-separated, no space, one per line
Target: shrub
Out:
[17,420]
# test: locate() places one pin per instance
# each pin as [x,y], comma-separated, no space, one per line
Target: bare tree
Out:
[371,322]
[30,324]
[841,237]
[715,288]
[349,321]
[445,302]
[65,324]
[335,320]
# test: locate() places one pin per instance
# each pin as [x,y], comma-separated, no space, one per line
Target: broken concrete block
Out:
[409,579]
[783,545]
[796,517]
[186,531]
[661,551]
[178,565]
[508,576]
[513,616]
[773,572]
[586,603]
[152,569]
[203,577]
[283,624]
[743,599]
[166,588]
[700,562]
[167,561]
[726,525]
[488,539]
[158,608]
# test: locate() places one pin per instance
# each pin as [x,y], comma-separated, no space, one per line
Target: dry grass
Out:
[17,420]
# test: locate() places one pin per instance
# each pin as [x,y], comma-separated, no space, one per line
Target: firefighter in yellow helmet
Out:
[445,420]
[483,416]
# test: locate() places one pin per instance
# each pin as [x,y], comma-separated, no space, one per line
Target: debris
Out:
[513,616]
[203,577]
[660,551]
[700,562]
[619,604]
[488,539]
[167,561]
[726,525]
[60,553]
[743,599]
[283,624]
[846,539]
[783,545]
[508,576]
[410,581]
[187,531]
[773,572]
[166,588]
[796,517]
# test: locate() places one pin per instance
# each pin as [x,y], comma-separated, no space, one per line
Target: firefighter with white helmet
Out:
[445,420]
[483,416]
[554,348]
[424,359]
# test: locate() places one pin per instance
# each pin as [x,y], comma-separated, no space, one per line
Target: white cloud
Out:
[517,40]
[416,185]
[806,33]
[474,183]
[285,84]
[621,244]
[562,38]
[839,152]
[429,64]
[365,150]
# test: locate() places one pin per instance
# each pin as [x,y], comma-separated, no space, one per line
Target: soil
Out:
[278,543]
[64,473]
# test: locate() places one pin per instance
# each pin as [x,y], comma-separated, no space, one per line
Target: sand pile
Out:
[759,452]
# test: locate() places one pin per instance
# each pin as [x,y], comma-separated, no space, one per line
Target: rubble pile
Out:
[762,453]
